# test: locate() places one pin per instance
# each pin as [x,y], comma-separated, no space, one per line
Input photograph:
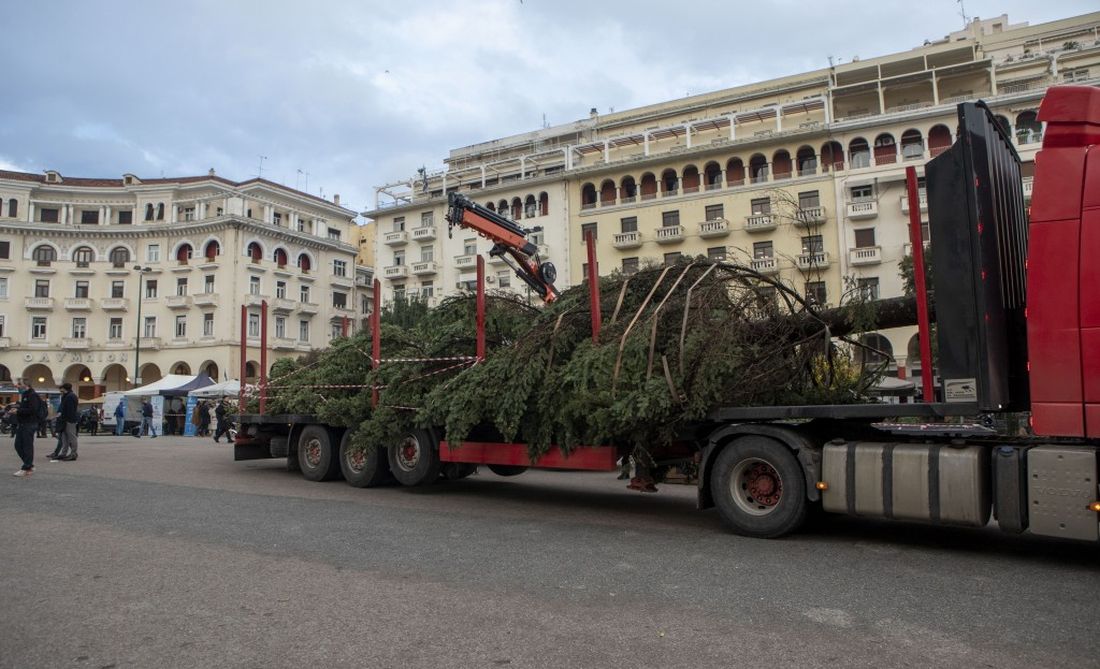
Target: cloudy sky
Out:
[359,93]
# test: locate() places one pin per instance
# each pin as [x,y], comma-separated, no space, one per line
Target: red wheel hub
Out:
[763,484]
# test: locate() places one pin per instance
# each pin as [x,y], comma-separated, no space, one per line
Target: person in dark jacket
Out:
[120,416]
[28,414]
[147,426]
[224,421]
[204,419]
[69,417]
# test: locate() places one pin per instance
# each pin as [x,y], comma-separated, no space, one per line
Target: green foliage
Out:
[905,271]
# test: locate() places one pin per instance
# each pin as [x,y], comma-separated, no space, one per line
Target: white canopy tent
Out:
[230,388]
[172,384]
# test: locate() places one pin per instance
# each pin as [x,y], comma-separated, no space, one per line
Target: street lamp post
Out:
[137,339]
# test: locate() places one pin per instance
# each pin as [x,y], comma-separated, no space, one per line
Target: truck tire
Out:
[507,470]
[317,455]
[453,471]
[362,468]
[759,488]
[414,461]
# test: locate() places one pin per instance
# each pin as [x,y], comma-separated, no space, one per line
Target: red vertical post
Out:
[375,335]
[344,327]
[244,354]
[594,287]
[263,356]
[916,240]
[480,308]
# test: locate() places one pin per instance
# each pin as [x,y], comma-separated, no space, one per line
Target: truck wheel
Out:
[414,461]
[316,455]
[454,471]
[362,468]
[759,488]
[507,470]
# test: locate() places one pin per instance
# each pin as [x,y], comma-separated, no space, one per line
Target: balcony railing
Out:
[177,301]
[149,343]
[466,260]
[38,303]
[424,234]
[765,265]
[862,209]
[396,238]
[425,268]
[810,215]
[284,344]
[922,196]
[251,300]
[396,271]
[282,305]
[759,223]
[205,299]
[718,227]
[865,255]
[627,240]
[813,260]
[307,308]
[76,343]
[669,234]
[114,304]
[78,304]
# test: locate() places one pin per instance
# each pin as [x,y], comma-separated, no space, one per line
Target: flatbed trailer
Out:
[1019,331]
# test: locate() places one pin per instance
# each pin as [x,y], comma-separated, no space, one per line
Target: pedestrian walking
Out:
[204,418]
[29,414]
[47,424]
[120,416]
[224,422]
[147,426]
[70,417]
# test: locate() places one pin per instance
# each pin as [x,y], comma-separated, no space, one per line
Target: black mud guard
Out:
[808,454]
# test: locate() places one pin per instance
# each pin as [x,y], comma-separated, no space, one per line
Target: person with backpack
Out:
[30,412]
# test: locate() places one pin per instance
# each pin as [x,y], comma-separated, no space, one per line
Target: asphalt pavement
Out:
[166,553]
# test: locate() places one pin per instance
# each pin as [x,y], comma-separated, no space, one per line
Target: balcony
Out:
[923,202]
[340,313]
[810,216]
[907,248]
[396,238]
[307,308]
[281,305]
[76,343]
[627,240]
[669,234]
[284,344]
[396,271]
[205,299]
[497,260]
[759,223]
[1028,184]
[466,261]
[813,260]
[38,303]
[718,227]
[149,343]
[862,209]
[78,304]
[251,300]
[177,301]
[426,268]
[114,304]
[867,255]
[765,265]
[424,234]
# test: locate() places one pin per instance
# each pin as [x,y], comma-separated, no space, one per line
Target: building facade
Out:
[800,177]
[111,283]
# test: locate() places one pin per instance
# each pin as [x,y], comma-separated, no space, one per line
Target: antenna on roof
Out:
[423,172]
[962,13]
[260,172]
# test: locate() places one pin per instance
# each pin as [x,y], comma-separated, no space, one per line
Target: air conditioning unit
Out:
[490,279]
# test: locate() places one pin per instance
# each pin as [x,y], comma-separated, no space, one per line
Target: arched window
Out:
[859,153]
[83,256]
[1005,125]
[649,186]
[490,206]
[530,207]
[502,207]
[517,209]
[691,179]
[875,352]
[149,212]
[280,257]
[160,211]
[807,161]
[670,182]
[712,176]
[213,249]
[588,196]
[628,189]
[758,169]
[544,204]
[1028,128]
[781,164]
[120,255]
[304,263]
[44,255]
[13,207]
[912,145]
[735,172]
[886,150]
[184,253]
[255,252]
[607,193]
[939,140]
[832,157]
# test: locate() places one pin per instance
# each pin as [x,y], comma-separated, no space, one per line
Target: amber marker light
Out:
[821,485]
[1094,506]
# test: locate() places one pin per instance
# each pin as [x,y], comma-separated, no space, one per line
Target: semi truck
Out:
[1017,316]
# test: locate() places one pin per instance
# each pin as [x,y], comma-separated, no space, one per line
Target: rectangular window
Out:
[399,224]
[181,286]
[303,294]
[5,250]
[761,206]
[670,218]
[427,219]
[280,290]
[469,246]
[715,212]
[717,253]
[364,304]
[80,327]
[761,250]
[301,224]
[861,193]
[38,327]
[399,292]
[49,215]
[150,326]
[868,288]
[584,271]
[398,258]
[81,289]
[253,285]
[589,229]
[813,244]
[280,327]
[188,213]
[277,219]
[339,300]
[334,234]
[630,266]
[125,218]
[41,287]
[3,287]
[427,289]
[253,325]
[339,268]
[118,289]
[427,253]
[303,330]
[181,326]
[809,200]
[672,258]
[3,325]
[151,289]
[815,292]
[208,325]
[336,330]
[865,238]
[114,330]
[504,279]
[208,284]
[152,253]
[628,224]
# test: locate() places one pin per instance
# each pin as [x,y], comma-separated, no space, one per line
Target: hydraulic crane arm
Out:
[509,241]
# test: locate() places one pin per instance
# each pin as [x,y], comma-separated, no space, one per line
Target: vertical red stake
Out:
[917,241]
[594,287]
[263,356]
[375,336]
[244,355]
[480,308]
